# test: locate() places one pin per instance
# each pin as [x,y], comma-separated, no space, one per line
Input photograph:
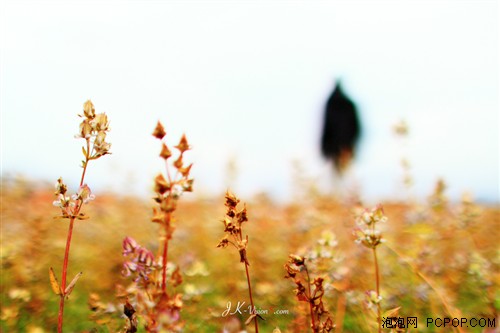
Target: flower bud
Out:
[129,245]
[165,152]
[61,188]
[85,129]
[100,122]
[161,184]
[85,194]
[88,109]
[159,131]
[146,257]
[183,144]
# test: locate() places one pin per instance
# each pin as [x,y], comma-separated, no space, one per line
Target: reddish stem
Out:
[85,164]
[164,258]
[313,321]
[165,242]
[64,274]
[251,299]
[68,244]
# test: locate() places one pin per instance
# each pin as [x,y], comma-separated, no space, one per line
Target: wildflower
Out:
[100,123]
[165,152]
[158,216]
[145,257]
[368,237]
[178,163]
[129,245]
[85,130]
[159,309]
[183,144]
[92,126]
[84,194]
[140,260]
[161,184]
[371,237]
[187,185]
[61,188]
[372,216]
[373,298]
[233,235]
[101,147]
[62,201]
[129,267]
[308,292]
[159,131]
[328,239]
[88,109]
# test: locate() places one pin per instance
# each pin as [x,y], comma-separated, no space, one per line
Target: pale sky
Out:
[247,81]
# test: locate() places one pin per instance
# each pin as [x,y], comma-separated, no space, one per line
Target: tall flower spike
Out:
[93,129]
[234,236]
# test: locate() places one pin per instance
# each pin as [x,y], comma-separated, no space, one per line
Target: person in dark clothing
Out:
[341,129]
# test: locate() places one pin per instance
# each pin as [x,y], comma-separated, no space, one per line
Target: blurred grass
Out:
[426,242]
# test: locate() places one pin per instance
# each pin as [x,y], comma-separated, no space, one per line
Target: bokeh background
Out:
[247,82]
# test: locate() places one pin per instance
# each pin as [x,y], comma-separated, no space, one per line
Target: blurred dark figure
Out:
[341,129]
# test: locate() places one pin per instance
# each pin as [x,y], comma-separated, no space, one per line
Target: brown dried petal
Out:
[177,301]
[85,129]
[100,122]
[242,215]
[159,131]
[61,188]
[224,242]
[128,309]
[243,256]
[183,144]
[165,152]
[185,171]
[158,216]
[291,272]
[176,277]
[297,260]
[187,186]
[88,109]
[231,200]
[178,162]
[161,184]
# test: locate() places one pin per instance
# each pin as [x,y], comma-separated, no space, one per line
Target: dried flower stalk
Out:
[296,269]
[233,228]
[93,130]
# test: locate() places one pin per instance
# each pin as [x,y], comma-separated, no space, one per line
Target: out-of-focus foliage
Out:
[439,260]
